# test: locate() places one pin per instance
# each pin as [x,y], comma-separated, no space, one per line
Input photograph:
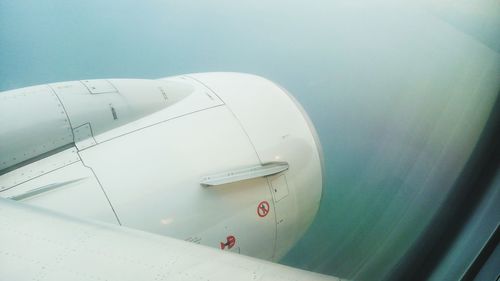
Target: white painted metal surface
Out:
[72,189]
[279,131]
[38,168]
[162,194]
[46,246]
[103,105]
[231,176]
[139,148]
[32,122]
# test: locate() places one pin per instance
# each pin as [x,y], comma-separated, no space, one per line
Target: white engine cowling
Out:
[226,160]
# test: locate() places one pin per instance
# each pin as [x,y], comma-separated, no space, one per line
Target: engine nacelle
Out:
[226,160]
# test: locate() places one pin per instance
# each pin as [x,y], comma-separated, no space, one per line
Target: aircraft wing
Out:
[37,244]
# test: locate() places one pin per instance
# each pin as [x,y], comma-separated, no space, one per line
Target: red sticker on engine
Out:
[230,242]
[263,209]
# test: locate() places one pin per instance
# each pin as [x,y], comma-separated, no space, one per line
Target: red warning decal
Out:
[230,241]
[263,209]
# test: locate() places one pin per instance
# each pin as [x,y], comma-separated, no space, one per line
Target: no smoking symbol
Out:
[263,209]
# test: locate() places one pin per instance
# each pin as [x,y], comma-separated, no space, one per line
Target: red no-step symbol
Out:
[263,209]
[230,241]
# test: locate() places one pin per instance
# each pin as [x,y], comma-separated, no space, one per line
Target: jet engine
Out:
[227,160]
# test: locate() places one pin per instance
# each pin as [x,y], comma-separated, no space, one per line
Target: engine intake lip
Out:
[314,133]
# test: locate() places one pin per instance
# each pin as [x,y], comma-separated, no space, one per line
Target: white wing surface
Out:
[37,244]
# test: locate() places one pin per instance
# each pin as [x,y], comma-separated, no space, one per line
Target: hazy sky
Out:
[399,91]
